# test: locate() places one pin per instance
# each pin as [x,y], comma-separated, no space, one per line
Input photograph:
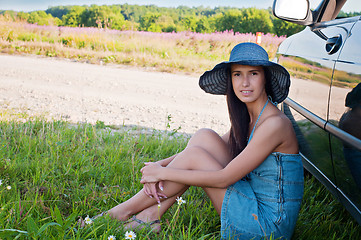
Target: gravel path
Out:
[80,92]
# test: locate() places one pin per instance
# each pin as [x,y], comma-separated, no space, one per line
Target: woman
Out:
[253,174]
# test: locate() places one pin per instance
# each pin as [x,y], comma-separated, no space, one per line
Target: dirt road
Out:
[80,92]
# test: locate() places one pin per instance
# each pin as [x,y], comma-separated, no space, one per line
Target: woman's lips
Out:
[246,92]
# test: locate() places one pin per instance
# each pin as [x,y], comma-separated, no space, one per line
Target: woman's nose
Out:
[245,82]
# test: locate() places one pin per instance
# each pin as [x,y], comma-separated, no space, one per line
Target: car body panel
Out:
[326,57]
[347,158]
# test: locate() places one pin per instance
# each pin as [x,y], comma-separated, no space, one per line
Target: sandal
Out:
[143,224]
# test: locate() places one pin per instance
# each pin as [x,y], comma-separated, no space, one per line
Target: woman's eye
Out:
[254,74]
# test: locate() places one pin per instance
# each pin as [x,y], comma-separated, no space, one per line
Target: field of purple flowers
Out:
[186,52]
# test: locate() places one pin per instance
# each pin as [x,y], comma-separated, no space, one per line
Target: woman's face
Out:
[248,82]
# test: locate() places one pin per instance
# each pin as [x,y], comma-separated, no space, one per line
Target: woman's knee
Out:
[198,139]
[196,157]
[212,143]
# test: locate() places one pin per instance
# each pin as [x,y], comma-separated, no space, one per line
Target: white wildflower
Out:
[88,220]
[180,201]
[111,237]
[130,235]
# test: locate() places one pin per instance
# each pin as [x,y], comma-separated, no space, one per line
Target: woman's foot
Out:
[136,223]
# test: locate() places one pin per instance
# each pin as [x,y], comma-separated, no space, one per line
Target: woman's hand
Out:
[153,190]
[152,183]
[151,173]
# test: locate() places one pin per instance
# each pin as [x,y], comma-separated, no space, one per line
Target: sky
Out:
[31,5]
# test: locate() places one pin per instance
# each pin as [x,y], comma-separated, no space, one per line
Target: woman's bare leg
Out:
[205,151]
[147,207]
[153,213]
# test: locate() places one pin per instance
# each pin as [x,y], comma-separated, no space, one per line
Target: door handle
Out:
[333,44]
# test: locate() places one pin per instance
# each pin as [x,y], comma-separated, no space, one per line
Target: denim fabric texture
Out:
[266,202]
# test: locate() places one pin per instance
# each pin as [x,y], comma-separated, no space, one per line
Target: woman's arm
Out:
[268,137]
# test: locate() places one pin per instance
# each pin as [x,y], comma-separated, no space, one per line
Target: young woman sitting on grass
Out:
[253,174]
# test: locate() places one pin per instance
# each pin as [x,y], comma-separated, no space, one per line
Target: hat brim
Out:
[215,80]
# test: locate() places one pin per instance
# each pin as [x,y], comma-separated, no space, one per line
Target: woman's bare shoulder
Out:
[281,129]
[277,120]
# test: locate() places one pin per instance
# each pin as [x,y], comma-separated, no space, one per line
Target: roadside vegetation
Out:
[186,52]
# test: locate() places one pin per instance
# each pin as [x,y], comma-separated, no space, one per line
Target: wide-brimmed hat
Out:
[251,54]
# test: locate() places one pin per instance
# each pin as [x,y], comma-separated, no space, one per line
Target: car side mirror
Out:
[296,11]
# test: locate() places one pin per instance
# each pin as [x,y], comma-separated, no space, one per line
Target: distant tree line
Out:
[161,19]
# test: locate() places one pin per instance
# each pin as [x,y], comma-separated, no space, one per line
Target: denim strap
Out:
[254,127]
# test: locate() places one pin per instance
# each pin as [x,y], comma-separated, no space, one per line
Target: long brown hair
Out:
[238,115]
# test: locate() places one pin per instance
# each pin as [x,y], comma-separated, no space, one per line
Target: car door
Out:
[310,58]
[344,121]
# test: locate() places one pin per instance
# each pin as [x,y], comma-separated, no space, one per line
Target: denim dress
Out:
[266,202]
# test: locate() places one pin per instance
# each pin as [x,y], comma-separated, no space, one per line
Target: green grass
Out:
[58,172]
[322,216]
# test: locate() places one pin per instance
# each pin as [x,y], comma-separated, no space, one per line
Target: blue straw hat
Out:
[251,54]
